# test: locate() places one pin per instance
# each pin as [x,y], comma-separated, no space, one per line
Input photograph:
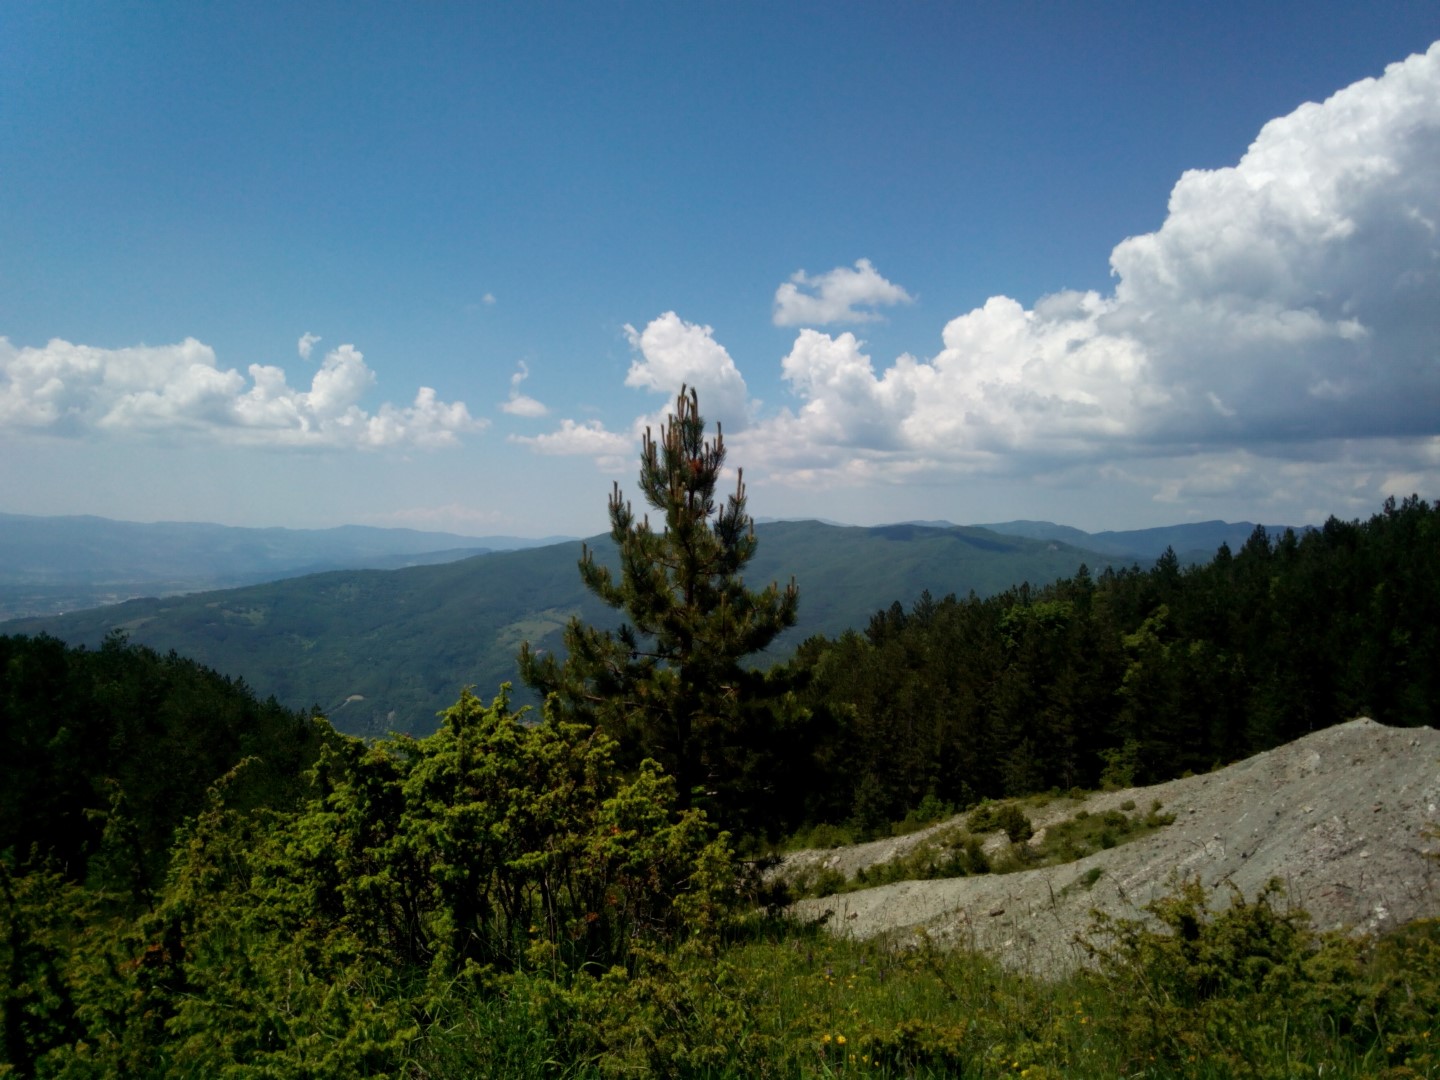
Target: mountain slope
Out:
[382,650]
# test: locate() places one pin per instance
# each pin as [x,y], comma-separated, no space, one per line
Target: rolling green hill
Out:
[385,650]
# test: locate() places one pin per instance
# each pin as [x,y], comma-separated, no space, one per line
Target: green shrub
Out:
[318,943]
[976,861]
[1014,823]
[1242,988]
[983,818]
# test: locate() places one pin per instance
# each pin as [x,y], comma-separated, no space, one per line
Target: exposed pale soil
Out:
[1341,817]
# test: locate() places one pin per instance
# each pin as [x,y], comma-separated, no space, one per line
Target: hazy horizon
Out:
[759,520]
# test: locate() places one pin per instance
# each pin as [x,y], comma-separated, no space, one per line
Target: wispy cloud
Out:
[181,391]
[836,297]
[519,404]
[611,451]
[306,345]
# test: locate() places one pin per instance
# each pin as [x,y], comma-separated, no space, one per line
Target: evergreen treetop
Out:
[669,682]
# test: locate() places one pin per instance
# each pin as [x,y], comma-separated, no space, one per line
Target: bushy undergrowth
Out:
[500,900]
[1192,992]
[328,942]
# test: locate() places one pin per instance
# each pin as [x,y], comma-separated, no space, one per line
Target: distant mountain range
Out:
[1192,542]
[382,650]
[50,565]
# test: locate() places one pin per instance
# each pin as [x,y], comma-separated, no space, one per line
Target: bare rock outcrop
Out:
[1345,818]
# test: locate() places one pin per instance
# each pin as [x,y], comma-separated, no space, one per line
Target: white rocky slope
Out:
[1345,818]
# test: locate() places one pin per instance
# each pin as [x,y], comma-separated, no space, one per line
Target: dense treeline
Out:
[107,751]
[1129,677]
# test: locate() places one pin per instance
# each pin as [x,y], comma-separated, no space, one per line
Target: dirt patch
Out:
[1340,817]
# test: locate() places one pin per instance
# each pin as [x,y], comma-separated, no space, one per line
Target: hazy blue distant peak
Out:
[765,520]
[1192,540]
[396,538]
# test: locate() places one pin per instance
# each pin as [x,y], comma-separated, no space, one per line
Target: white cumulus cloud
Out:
[836,296]
[181,390]
[1285,303]
[306,345]
[672,353]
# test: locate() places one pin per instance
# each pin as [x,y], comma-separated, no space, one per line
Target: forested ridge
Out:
[384,651]
[194,882]
[108,751]
[1128,677]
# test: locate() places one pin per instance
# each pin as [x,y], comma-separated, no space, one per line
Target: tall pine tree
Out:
[670,683]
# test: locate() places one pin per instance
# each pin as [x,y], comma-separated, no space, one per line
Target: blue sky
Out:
[434,266]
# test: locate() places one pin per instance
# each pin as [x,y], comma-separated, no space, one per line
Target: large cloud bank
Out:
[1292,298]
[1287,312]
[180,390]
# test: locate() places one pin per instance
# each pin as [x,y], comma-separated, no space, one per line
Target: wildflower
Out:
[825,1038]
[839,1040]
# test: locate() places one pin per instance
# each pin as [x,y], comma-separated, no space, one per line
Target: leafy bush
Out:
[1015,824]
[1003,817]
[983,819]
[314,942]
[1231,986]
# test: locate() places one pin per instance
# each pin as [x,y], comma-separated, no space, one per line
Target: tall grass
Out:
[1251,994]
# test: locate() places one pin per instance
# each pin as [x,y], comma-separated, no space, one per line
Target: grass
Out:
[799,1003]
[1086,833]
